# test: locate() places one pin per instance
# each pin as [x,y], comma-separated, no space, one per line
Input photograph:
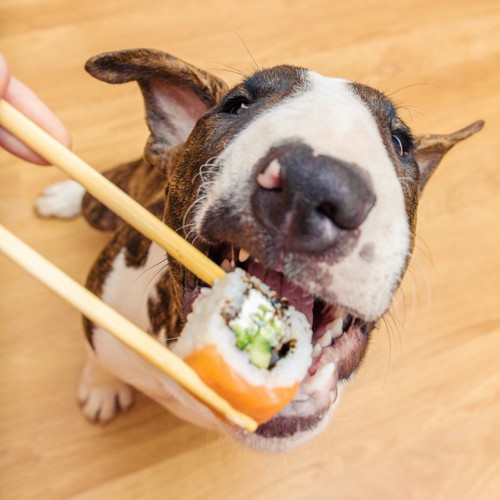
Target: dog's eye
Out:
[402,143]
[235,106]
[398,143]
[237,109]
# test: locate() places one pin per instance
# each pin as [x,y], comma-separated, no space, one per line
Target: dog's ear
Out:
[175,93]
[430,149]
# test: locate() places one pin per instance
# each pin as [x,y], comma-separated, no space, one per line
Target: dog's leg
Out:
[100,393]
[100,216]
[62,200]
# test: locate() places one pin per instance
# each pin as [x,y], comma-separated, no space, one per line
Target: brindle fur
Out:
[430,149]
[140,180]
[163,180]
[146,180]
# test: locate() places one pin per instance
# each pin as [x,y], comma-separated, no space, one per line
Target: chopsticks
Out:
[116,324]
[106,192]
[81,298]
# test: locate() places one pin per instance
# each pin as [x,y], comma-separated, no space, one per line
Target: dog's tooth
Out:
[319,380]
[326,339]
[335,328]
[243,255]
[316,350]
[226,265]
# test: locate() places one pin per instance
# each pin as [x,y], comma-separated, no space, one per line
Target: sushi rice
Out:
[218,338]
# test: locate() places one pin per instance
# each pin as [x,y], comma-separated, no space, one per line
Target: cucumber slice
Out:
[259,352]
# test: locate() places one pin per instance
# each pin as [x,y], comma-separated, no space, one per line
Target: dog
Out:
[308,182]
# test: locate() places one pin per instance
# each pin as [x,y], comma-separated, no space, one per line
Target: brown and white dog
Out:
[308,182]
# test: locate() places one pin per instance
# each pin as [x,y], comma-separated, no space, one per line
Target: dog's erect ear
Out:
[430,149]
[176,93]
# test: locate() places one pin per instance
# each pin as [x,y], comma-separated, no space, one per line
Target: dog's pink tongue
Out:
[298,298]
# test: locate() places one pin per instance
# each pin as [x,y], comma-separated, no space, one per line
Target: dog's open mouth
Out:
[339,342]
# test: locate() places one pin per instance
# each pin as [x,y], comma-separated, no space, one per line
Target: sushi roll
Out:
[249,346]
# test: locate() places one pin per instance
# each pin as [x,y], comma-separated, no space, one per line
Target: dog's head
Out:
[308,182]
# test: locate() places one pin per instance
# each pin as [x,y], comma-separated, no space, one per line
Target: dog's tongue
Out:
[298,298]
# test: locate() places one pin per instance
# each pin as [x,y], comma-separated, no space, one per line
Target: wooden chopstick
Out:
[81,298]
[125,331]
[116,324]
[106,192]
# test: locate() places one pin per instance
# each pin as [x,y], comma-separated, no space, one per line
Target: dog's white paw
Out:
[101,395]
[62,200]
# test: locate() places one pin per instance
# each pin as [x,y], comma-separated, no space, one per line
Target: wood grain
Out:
[422,418]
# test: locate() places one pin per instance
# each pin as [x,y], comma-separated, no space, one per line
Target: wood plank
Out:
[421,420]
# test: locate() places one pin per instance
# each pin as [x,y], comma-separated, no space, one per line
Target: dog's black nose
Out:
[310,200]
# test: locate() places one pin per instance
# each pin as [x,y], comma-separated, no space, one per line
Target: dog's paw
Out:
[62,200]
[101,395]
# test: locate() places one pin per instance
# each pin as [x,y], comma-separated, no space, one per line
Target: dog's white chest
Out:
[127,289]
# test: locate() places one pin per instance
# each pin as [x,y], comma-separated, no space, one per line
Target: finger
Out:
[17,148]
[26,101]
[4,75]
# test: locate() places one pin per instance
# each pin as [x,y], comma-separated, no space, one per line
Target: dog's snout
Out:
[311,199]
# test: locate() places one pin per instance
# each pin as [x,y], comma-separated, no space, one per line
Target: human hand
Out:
[26,101]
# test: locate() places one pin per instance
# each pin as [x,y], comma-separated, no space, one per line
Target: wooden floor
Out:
[422,420]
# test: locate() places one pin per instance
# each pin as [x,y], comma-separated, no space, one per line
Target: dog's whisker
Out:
[195,239]
[185,224]
[401,106]
[257,68]
[161,270]
[188,227]
[393,325]
[150,268]
[198,200]
[390,94]
[402,296]
[389,361]
[398,326]
[190,235]
[409,110]
[206,166]
[152,279]
[209,164]
[395,304]
[424,275]
[413,286]
[229,69]
[424,249]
